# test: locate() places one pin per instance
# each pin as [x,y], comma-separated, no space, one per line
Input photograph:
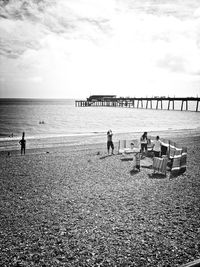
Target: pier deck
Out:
[138,102]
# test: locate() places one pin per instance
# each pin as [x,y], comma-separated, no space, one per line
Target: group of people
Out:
[143,141]
[156,146]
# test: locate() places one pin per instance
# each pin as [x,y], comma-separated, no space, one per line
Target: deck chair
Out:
[128,146]
[183,161]
[160,165]
[174,149]
[179,161]
[164,147]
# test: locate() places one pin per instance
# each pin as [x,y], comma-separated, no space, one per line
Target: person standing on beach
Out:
[144,142]
[110,142]
[157,147]
[23,144]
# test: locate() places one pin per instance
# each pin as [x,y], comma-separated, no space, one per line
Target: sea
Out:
[58,122]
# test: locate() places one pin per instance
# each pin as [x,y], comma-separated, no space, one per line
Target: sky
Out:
[77,48]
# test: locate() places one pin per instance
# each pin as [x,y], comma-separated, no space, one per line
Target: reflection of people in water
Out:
[23,144]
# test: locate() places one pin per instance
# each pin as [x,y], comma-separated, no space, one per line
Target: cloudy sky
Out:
[74,48]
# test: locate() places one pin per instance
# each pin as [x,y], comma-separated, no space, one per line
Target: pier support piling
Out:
[147,104]
[197,107]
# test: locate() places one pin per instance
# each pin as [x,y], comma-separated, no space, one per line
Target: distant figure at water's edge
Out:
[110,142]
[22,142]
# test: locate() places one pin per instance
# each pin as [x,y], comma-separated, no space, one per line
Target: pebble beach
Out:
[76,206]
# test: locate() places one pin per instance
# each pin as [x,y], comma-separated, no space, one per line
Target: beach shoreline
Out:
[12,144]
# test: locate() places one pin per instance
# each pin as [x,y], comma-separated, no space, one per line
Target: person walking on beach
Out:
[23,144]
[143,142]
[110,142]
[157,147]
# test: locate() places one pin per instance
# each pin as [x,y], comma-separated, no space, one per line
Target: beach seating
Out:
[173,149]
[173,156]
[183,161]
[179,161]
[160,165]
[164,147]
[146,162]
[128,146]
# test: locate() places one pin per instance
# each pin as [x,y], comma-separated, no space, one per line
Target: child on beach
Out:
[22,142]
[110,142]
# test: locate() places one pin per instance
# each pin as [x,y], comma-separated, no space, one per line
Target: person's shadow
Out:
[127,159]
[106,156]
[157,175]
[134,172]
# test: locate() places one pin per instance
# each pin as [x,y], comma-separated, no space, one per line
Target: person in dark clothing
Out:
[144,141]
[110,142]
[23,144]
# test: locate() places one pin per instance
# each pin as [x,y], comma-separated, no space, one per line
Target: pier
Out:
[139,102]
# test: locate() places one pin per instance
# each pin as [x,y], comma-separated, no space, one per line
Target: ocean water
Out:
[65,124]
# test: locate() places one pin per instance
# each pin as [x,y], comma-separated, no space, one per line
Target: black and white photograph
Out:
[99,133]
